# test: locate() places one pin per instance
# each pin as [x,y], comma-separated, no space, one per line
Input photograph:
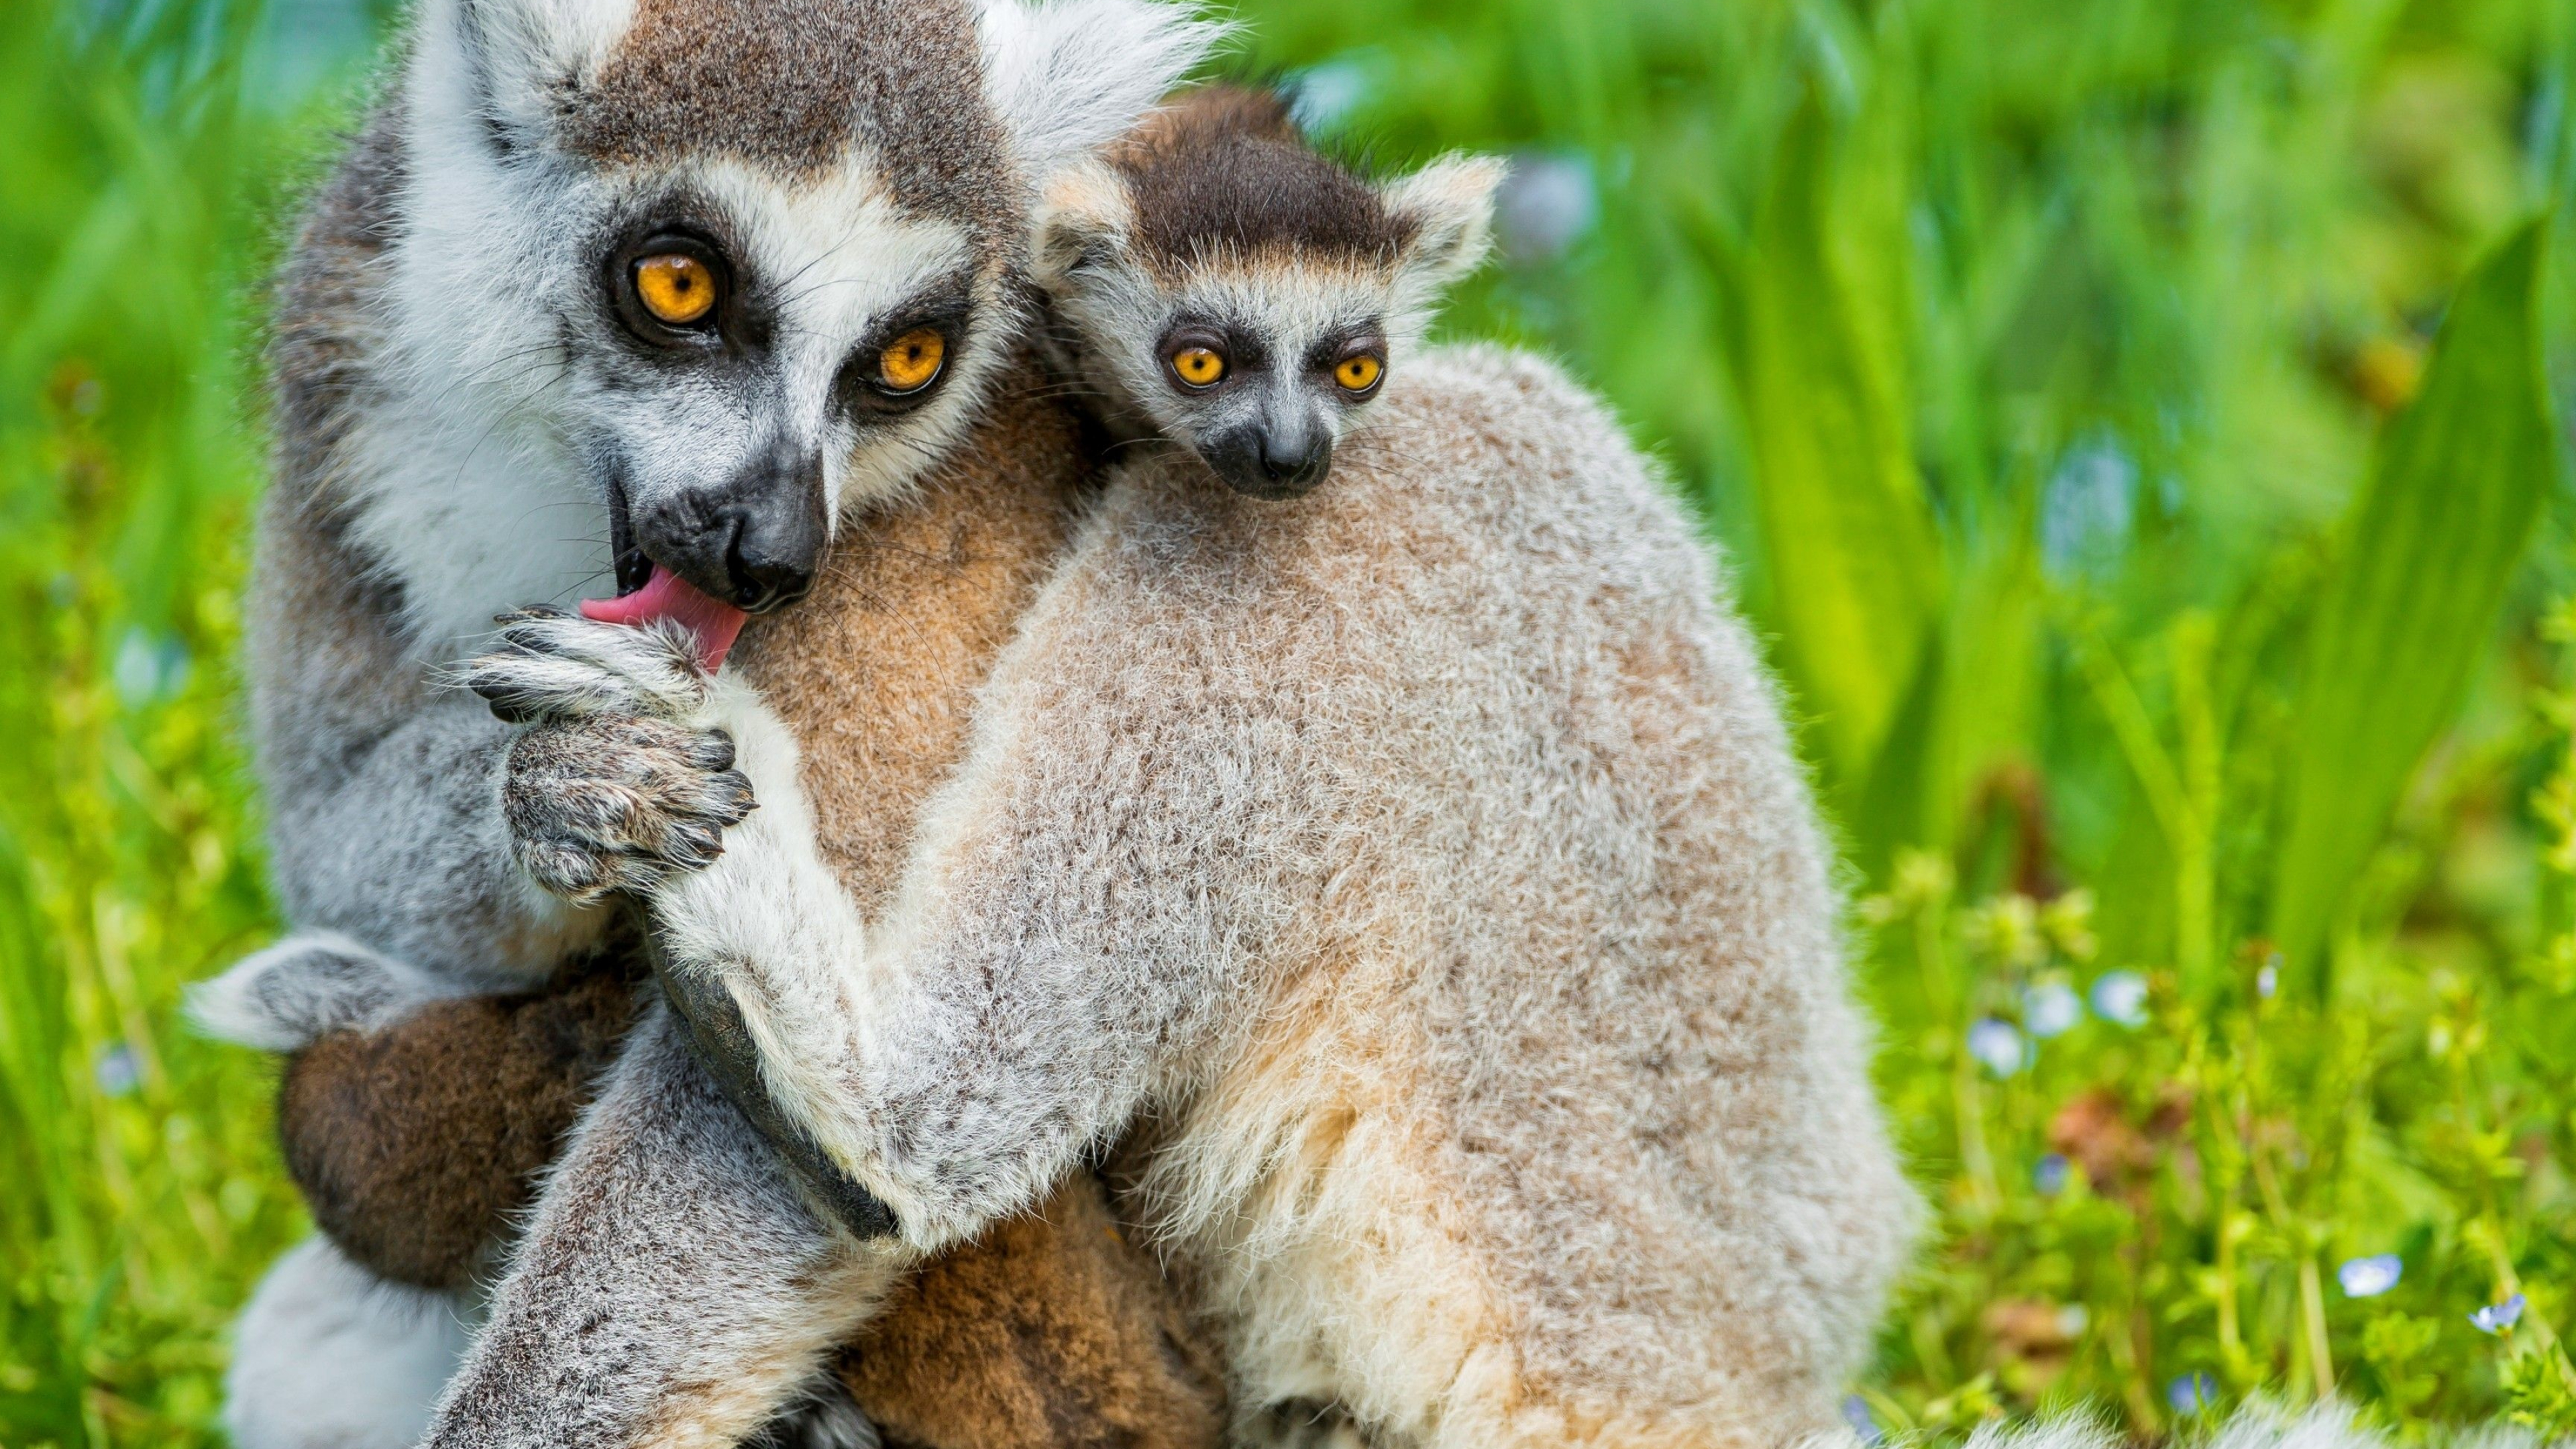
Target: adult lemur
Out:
[1422,862]
[725,272]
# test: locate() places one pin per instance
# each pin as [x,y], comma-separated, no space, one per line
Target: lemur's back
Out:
[1536,1043]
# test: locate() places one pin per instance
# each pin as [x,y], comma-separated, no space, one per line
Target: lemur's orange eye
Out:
[1360,373]
[1199,366]
[676,288]
[912,362]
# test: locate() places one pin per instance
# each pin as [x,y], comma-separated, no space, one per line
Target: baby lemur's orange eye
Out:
[1360,373]
[1199,366]
[912,362]
[676,288]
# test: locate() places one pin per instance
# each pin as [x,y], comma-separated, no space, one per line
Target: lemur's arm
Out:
[1074,926]
[673,1287]
[388,817]
[384,791]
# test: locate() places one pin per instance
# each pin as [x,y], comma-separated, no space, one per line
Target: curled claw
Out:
[527,612]
[614,803]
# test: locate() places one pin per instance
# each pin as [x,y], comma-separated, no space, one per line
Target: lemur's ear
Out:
[1084,218]
[1071,76]
[1449,205]
[525,53]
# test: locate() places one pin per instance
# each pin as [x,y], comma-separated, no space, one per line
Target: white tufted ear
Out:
[1084,219]
[1070,76]
[1450,206]
[520,54]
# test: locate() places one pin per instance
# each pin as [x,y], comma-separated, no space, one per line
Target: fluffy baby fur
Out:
[1424,865]
[1216,228]
[436,464]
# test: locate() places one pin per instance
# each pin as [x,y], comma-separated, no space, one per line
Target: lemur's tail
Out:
[2254,1426]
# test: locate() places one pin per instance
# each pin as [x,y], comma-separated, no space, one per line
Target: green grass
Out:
[2132,422]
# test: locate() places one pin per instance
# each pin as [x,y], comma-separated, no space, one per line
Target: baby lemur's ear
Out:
[1070,76]
[1084,219]
[1449,207]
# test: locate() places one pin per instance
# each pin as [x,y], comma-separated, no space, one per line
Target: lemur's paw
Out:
[307,985]
[553,665]
[612,803]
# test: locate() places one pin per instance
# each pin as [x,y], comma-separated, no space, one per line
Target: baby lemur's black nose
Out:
[1295,463]
[754,541]
[1271,460]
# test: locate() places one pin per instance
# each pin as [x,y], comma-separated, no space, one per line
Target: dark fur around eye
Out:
[1243,353]
[946,311]
[722,321]
[1329,355]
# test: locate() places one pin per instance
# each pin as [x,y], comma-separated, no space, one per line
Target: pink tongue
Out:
[666,595]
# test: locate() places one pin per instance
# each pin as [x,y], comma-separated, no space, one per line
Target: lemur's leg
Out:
[312,983]
[1021,998]
[418,1145]
[674,1287]
[329,1356]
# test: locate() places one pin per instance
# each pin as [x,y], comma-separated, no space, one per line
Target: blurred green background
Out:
[2138,429]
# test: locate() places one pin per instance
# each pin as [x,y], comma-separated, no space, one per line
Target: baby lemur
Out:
[1419,869]
[1223,286]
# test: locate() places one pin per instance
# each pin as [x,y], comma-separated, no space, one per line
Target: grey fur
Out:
[311,983]
[690,1288]
[1426,863]
[794,85]
[457,407]
[383,789]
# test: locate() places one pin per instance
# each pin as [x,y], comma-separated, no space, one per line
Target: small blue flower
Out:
[1999,1045]
[2268,980]
[2088,508]
[1322,96]
[116,1071]
[2051,1010]
[2192,1394]
[1856,1413]
[2121,996]
[2370,1277]
[149,667]
[2051,1175]
[2499,1318]
[1546,205]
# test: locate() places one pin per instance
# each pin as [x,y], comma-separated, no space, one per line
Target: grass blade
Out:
[1846,534]
[2432,543]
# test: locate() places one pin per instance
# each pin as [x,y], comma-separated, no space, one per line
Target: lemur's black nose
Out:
[754,541]
[1269,460]
[764,571]
[1296,462]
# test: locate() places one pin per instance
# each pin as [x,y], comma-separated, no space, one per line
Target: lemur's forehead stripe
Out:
[791,85]
[1225,173]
